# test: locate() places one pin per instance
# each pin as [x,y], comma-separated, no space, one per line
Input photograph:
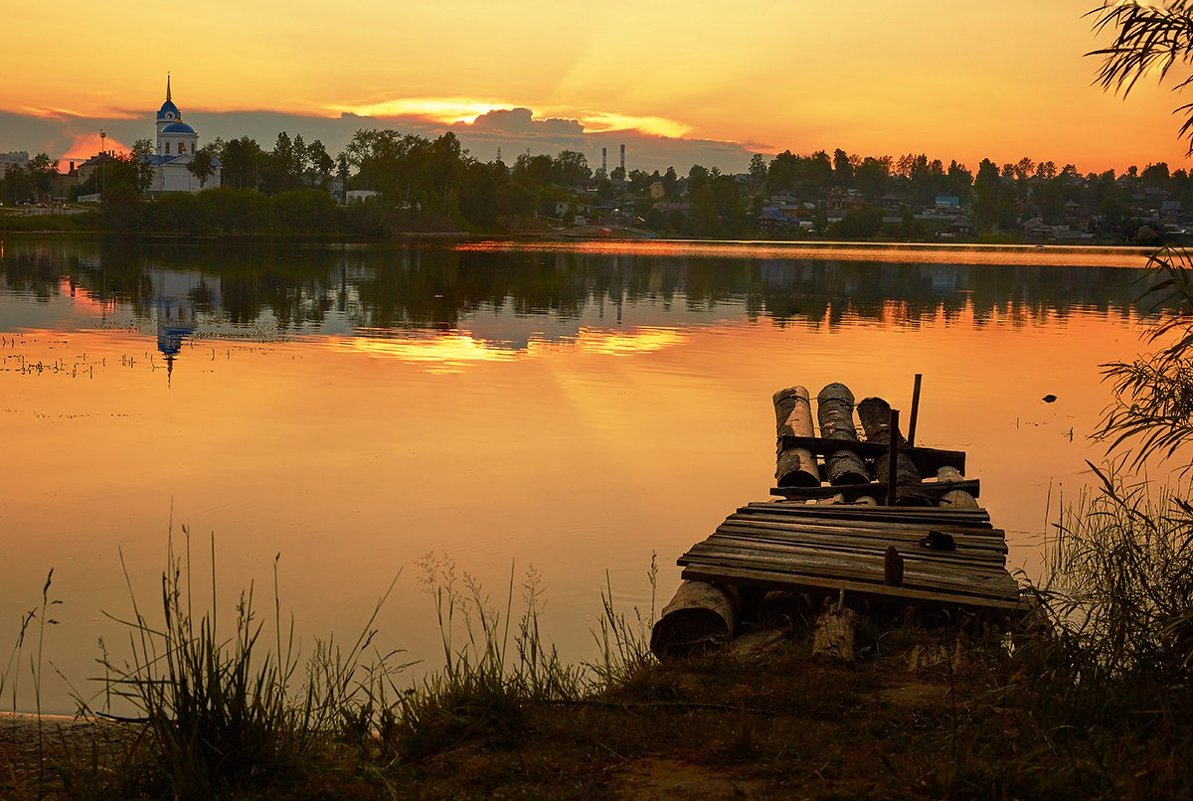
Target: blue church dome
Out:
[178,128]
[168,107]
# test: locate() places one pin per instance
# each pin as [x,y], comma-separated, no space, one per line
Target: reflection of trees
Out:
[435,288]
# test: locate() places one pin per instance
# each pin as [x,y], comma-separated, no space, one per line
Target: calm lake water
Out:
[567,408]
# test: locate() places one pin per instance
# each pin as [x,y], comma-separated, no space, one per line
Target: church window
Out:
[182,147]
[167,148]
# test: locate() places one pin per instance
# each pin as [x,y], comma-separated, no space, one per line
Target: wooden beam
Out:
[876,489]
[927,460]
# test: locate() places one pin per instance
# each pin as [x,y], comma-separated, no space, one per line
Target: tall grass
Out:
[1121,578]
[495,662]
[226,710]
[1105,673]
[624,644]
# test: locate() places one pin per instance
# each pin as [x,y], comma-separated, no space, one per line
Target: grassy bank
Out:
[1090,698]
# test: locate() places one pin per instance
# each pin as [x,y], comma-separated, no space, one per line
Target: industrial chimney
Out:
[623,161]
[604,161]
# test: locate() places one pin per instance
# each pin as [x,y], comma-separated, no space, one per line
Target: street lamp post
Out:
[103,136]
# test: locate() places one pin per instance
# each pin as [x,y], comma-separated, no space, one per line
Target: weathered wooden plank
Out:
[961,538]
[977,517]
[894,513]
[793,581]
[945,559]
[990,589]
[794,554]
[875,488]
[981,534]
[987,587]
[811,537]
[945,562]
[853,566]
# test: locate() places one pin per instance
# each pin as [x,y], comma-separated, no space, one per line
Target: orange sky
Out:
[956,80]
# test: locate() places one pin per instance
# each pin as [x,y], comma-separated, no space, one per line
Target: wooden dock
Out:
[826,549]
[839,530]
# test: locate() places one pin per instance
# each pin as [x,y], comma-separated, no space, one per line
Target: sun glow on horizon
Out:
[446,110]
[88,143]
[466,111]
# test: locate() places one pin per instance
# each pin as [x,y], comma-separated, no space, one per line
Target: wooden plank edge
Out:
[983,583]
[881,592]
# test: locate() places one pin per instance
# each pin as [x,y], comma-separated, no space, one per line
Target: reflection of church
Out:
[173,325]
[177,304]
[177,144]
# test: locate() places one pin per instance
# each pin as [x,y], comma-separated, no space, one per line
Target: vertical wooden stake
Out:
[915,410]
[892,472]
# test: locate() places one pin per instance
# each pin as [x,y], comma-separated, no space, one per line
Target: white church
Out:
[177,144]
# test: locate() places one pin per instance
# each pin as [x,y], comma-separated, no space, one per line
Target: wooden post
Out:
[796,467]
[892,473]
[915,410]
[835,632]
[834,412]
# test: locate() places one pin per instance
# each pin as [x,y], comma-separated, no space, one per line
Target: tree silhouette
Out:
[1149,39]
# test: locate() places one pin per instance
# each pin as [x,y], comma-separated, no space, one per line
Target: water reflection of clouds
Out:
[623,343]
[453,351]
[440,353]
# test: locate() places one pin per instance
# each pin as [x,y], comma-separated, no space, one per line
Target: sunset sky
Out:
[679,82]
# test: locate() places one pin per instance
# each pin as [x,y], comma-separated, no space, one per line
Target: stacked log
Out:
[875,414]
[700,617]
[834,413]
[796,467]
[954,499]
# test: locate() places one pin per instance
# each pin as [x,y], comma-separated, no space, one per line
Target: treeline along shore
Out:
[385,182]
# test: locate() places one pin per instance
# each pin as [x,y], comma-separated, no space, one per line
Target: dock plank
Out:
[855,567]
[971,535]
[993,547]
[770,579]
[904,547]
[978,518]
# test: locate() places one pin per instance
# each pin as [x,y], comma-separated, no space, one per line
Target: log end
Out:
[688,631]
[700,617]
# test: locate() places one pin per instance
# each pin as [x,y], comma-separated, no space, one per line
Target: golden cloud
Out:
[456,110]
